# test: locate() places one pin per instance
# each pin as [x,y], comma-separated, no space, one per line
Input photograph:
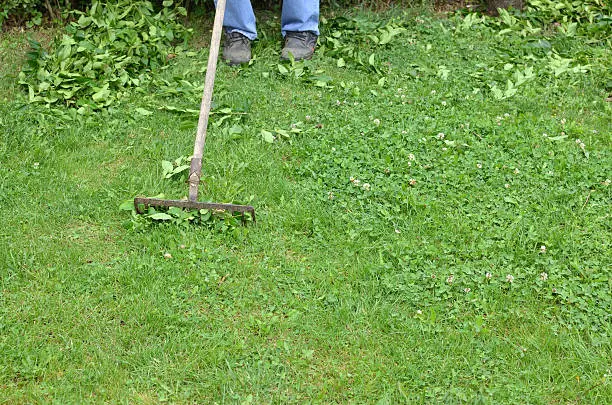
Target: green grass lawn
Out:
[425,233]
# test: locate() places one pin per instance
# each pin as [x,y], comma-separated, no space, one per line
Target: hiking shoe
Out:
[301,44]
[237,48]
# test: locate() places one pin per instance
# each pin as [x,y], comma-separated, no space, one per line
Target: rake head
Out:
[142,204]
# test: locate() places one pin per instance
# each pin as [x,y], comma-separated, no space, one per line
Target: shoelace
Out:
[303,37]
[235,37]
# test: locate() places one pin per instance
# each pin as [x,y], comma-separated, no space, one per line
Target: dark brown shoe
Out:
[300,44]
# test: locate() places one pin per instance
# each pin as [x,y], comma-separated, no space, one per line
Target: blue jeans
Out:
[297,15]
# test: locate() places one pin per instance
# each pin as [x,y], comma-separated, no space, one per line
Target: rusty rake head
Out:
[142,204]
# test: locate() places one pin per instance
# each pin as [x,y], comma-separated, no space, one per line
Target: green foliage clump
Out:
[19,10]
[110,47]
[569,11]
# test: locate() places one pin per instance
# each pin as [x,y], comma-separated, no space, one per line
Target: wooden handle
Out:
[195,171]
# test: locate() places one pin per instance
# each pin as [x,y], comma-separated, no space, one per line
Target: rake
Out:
[142,204]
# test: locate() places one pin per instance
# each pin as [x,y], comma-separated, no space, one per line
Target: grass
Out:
[342,292]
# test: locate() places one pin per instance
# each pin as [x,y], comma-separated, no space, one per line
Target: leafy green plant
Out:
[108,49]
[176,167]
[584,11]
[218,220]
[20,10]
[354,40]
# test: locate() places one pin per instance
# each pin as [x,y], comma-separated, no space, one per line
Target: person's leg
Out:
[300,27]
[239,17]
[300,16]
[240,30]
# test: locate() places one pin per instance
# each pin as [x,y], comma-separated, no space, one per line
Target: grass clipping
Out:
[107,49]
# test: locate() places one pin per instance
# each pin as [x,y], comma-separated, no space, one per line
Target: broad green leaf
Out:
[127,205]
[167,167]
[143,111]
[371,60]
[557,138]
[64,52]
[160,216]
[180,169]
[102,94]
[267,136]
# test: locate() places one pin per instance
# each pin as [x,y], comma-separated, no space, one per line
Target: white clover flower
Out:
[507,185]
[182,247]
[607,182]
[506,115]
[167,255]
[412,182]
[443,102]
[488,276]
[376,121]
[433,92]
[516,170]
[542,249]
[578,141]
[411,156]
[479,165]
[333,149]
[366,186]
[450,279]
[308,118]
[440,135]
[330,195]
[510,278]
[338,102]
[419,312]
[543,276]
[467,290]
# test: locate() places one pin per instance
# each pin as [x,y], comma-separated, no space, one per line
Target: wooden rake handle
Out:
[195,171]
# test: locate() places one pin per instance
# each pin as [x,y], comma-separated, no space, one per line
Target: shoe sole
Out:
[233,63]
[297,60]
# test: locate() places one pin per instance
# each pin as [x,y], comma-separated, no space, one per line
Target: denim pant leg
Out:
[239,17]
[300,15]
